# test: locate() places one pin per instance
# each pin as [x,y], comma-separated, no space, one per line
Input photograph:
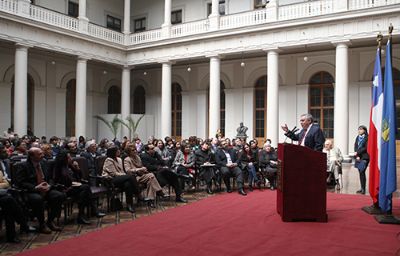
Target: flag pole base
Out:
[387,219]
[372,210]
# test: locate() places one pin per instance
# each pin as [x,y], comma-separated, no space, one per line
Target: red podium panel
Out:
[301,184]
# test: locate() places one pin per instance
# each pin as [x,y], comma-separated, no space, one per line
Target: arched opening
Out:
[70,102]
[139,100]
[260,109]
[176,129]
[321,101]
[114,100]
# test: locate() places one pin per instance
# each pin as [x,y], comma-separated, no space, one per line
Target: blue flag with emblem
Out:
[387,183]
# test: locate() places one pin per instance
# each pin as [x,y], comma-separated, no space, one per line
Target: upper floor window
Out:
[73,9]
[221,8]
[176,17]
[113,23]
[260,4]
[140,25]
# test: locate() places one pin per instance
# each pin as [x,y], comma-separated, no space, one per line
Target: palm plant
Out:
[113,125]
[132,125]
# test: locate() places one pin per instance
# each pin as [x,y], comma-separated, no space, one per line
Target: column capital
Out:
[214,55]
[341,42]
[82,58]
[23,45]
[129,67]
[272,48]
[165,61]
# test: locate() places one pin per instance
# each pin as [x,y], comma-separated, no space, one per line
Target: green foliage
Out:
[113,125]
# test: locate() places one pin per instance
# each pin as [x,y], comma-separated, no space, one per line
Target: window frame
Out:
[175,13]
[142,21]
[73,9]
[113,25]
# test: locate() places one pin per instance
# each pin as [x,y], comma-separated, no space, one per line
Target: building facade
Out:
[191,66]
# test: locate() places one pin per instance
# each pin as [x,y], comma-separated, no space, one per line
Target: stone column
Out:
[214,16]
[273,97]
[341,112]
[125,97]
[166,26]
[21,90]
[81,92]
[127,17]
[214,100]
[83,20]
[166,99]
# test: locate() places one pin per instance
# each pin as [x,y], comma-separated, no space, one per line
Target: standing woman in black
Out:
[361,155]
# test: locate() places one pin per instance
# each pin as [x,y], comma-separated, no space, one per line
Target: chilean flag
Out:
[375,130]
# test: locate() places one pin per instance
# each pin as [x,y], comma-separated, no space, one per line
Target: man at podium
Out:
[310,136]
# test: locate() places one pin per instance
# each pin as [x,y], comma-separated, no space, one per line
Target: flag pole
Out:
[374,209]
[389,184]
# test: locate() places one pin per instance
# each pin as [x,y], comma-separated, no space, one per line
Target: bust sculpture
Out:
[241,131]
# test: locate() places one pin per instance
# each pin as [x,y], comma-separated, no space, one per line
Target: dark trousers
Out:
[53,197]
[166,176]
[363,179]
[82,195]
[208,174]
[236,172]
[270,173]
[12,213]
[129,185]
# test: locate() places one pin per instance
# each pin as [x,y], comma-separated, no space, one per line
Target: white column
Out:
[125,97]
[81,91]
[214,16]
[215,91]
[341,112]
[166,26]
[166,99]
[21,90]
[82,9]
[273,97]
[127,16]
[83,20]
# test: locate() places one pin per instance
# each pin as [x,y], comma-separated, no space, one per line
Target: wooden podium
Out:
[301,184]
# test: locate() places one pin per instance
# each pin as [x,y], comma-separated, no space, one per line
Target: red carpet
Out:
[229,224]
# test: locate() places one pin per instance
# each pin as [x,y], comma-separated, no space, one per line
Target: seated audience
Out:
[228,161]
[68,175]
[183,165]
[33,177]
[334,163]
[206,163]
[268,162]
[133,165]
[113,169]
[249,160]
[154,163]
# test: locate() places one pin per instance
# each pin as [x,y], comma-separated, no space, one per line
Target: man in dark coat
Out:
[310,136]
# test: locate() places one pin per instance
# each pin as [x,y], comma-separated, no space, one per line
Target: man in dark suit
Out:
[32,176]
[154,163]
[227,160]
[310,136]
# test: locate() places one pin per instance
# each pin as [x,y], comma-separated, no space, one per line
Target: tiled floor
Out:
[34,240]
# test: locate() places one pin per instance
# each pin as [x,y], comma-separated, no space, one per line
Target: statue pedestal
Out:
[242,137]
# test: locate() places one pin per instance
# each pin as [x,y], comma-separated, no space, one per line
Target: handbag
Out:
[361,165]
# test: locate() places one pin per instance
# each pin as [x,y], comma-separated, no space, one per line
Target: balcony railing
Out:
[54,18]
[9,6]
[144,37]
[245,19]
[190,28]
[308,9]
[105,34]
[270,14]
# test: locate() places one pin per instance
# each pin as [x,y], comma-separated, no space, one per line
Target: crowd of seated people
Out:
[48,173]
